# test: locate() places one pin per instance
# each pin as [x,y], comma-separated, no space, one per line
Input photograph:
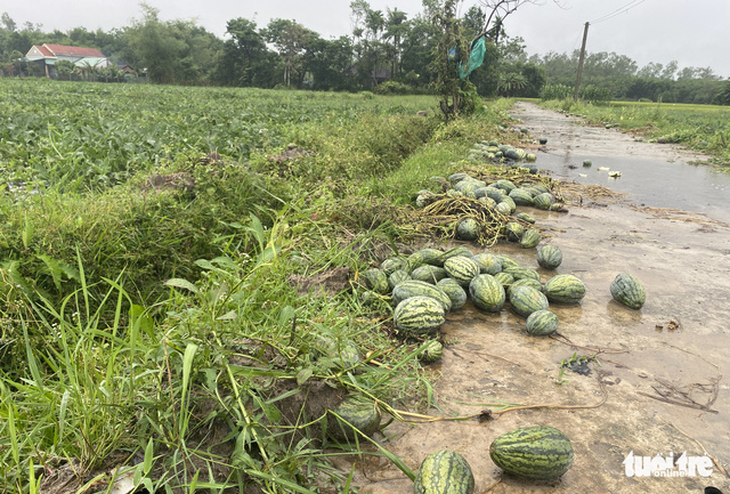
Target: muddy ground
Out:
[659,384]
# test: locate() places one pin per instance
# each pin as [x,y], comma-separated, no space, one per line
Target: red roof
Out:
[46,52]
[74,51]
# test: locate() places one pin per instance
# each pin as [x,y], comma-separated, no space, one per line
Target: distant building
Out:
[47,55]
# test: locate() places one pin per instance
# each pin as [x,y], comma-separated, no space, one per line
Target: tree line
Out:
[386,52]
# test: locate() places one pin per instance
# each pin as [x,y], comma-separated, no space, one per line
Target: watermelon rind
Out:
[626,289]
[354,411]
[540,452]
[565,289]
[542,323]
[444,472]
[462,269]
[413,288]
[419,316]
[454,291]
[549,256]
[488,263]
[525,300]
[487,293]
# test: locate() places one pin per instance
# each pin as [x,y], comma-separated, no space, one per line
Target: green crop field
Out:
[161,305]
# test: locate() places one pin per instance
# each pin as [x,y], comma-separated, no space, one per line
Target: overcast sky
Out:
[696,33]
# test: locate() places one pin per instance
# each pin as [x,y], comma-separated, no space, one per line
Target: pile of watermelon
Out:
[428,284]
[475,209]
[504,154]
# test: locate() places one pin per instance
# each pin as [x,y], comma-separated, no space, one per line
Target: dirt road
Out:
[659,383]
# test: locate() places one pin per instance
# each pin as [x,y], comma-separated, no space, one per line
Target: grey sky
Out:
[694,32]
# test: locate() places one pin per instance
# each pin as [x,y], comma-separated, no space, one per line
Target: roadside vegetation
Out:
[178,270]
[702,128]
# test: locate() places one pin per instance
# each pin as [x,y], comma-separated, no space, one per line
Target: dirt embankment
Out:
[658,382]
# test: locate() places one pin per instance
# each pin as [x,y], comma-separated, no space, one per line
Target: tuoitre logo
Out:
[667,466]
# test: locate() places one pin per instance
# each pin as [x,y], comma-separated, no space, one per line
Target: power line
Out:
[620,10]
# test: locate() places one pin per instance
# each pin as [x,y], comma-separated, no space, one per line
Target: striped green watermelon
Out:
[357,412]
[503,208]
[467,229]
[392,264]
[458,177]
[494,193]
[543,201]
[626,289]
[525,300]
[521,197]
[511,202]
[344,353]
[428,273]
[444,472]
[431,352]
[525,217]
[524,282]
[419,316]
[431,256]
[462,269]
[542,323]
[413,288]
[514,231]
[518,273]
[505,185]
[461,250]
[504,279]
[398,276]
[488,263]
[530,238]
[455,292]
[376,280]
[507,262]
[540,452]
[565,289]
[549,256]
[487,293]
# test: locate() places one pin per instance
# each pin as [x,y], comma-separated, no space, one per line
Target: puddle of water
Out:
[651,182]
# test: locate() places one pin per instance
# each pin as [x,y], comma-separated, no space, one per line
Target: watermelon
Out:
[507,262]
[508,200]
[549,256]
[461,269]
[458,177]
[514,231]
[428,273]
[369,297]
[356,412]
[494,193]
[488,263]
[344,353]
[431,351]
[525,217]
[542,323]
[540,452]
[487,293]
[467,229]
[461,250]
[543,140]
[392,264]
[543,201]
[518,273]
[565,289]
[531,157]
[524,282]
[398,276]
[419,316]
[503,208]
[525,300]
[587,163]
[413,288]
[455,292]
[376,280]
[504,279]
[530,238]
[444,472]
[430,256]
[626,289]
[521,197]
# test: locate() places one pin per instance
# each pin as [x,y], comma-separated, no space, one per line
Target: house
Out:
[47,55]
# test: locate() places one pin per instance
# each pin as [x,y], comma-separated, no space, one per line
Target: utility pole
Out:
[580,62]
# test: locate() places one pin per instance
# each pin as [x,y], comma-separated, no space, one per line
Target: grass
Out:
[702,128]
[157,335]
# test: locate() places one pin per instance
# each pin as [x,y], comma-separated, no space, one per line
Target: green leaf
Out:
[304,375]
[149,452]
[181,283]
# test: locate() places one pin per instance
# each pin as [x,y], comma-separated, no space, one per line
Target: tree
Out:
[295,45]
[244,57]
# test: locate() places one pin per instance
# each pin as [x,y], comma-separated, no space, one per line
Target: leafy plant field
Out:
[703,128]
[176,301]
